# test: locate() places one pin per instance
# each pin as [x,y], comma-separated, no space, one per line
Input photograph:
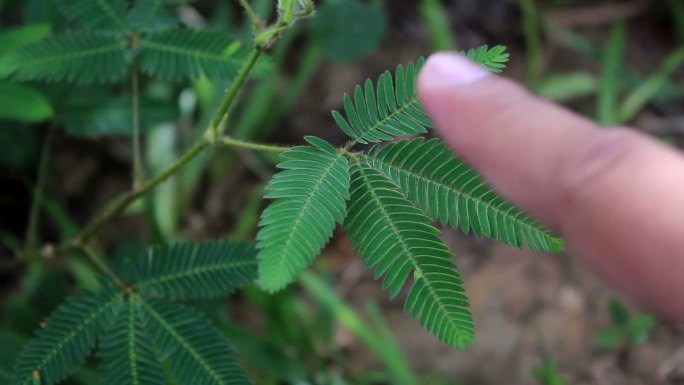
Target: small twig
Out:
[215,128]
[104,267]
[253,17]
[115,209]
[37,200]
[232,142]
[137,152]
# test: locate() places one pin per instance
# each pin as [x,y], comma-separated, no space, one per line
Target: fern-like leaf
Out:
[197,353]
[493,59]
[67,337]
[388,110]
[397,240]
[81,57]
[310,196]
[187,53]
[190,270]
[126,352]
[446,188]
[102,15]
[152,15]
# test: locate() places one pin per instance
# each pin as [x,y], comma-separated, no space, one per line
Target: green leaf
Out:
[126,352]
[348,30]
[188,53]
[391,109]
[618,312]
[310,197]
[547,374]
[67,337]
[80,57]
[197,353]
[23,103]
[493,59]
[152,15]
[16,37]
[188,270]
[10,345]
[640,327]
[610,338]
[100,15]
[448,189]
[397,240]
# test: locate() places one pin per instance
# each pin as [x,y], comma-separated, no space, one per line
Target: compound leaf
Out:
[310,196]
[448,189]
[391,108]
[80,57]
[14,38]
[397,240]
[67,337]
[152,15]
[188,53]
[101,15]
[197,353]
[126,352]
[378,113]
[493,59]
[188,270]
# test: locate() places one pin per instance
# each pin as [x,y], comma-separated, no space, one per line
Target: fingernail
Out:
[451,69]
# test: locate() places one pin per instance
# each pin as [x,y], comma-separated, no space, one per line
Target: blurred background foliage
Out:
[617,62]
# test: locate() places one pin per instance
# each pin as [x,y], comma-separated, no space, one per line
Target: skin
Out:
[615,195]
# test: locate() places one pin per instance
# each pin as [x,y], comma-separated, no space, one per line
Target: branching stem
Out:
[222,113]
[104,267]
[122,203]
[253,17]
[232,142]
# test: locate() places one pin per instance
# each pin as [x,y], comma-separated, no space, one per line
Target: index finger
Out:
[614,195]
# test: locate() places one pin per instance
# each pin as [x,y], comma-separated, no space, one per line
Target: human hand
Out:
[614,195]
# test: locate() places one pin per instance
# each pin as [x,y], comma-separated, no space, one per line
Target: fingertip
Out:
[444,69]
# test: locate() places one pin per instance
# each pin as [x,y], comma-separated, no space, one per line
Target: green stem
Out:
[104,267]
[37,200]
[232,142]
[650,87]
[120,205]
[532,41]
[611,76]
[137,153]
[435,19]
[253,17]
[222,113]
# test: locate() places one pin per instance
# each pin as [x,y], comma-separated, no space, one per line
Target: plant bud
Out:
[286,10]
[305,8]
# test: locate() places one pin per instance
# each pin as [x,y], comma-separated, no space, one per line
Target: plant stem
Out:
[119,206]
[222,113]
[137,153]
[435,19]
[104,267]
[647,90]
[253,17]
[611,76]
[37,200]
[135,119]
[232,142]
[532,41]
